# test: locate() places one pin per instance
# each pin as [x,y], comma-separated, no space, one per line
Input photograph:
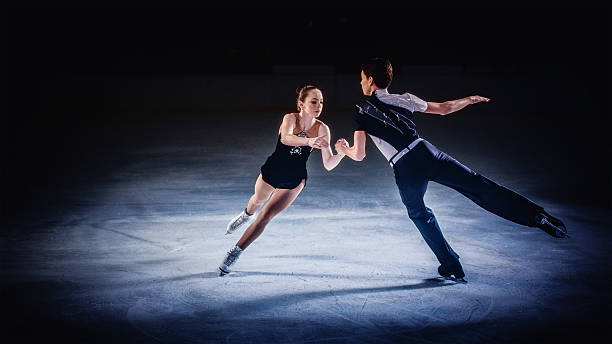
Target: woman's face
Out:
[313,103]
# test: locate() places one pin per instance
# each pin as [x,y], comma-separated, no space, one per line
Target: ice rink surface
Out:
[126,248]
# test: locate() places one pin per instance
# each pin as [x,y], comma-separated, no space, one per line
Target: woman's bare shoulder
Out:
[290,116]
[321,124]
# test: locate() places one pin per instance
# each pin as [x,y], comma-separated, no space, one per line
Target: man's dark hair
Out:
[380,69]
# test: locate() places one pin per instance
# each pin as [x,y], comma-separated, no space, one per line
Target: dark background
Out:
[73,106]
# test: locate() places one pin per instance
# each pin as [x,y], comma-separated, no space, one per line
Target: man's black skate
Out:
[551,225]
[458,275]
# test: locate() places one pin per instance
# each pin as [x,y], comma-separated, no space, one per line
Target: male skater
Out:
[388,119]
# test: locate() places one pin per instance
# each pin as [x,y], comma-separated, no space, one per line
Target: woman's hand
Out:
[318,142]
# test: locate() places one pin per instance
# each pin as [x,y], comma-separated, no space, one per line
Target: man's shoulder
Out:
[365,100]
[360,105]
[390,95]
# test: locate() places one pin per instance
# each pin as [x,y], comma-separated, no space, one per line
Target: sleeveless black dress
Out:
[286,166]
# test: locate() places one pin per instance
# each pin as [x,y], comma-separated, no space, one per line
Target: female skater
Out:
[284,175]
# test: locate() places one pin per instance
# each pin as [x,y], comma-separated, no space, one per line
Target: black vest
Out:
[391,123]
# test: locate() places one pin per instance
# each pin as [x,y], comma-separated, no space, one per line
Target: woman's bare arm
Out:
[330,161]
[287,137]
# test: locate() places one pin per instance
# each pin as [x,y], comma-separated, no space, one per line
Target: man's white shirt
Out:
[405,100]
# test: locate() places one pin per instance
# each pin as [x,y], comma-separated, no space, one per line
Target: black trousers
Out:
[426,163]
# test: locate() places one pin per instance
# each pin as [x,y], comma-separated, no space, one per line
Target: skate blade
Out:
[457,280]
[222,273]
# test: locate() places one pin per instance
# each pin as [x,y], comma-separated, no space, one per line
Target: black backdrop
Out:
[565,48]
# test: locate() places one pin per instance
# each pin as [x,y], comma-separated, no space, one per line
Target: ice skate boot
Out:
[237,222]
[458,275]
[230,258]
[551,225]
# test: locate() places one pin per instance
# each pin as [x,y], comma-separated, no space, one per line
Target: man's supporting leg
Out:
[426,223]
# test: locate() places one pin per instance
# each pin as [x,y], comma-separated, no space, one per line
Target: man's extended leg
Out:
[492,196]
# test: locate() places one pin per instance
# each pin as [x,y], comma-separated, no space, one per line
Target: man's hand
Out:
[451,106]
[340,145]
[478,99]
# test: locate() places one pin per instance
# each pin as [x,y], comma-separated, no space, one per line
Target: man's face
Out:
[366,84]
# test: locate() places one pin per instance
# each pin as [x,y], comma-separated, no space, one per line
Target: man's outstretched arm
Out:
[357,151]
[453,105]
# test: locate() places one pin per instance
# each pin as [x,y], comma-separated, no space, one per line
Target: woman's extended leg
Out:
[262,192]
[280,200]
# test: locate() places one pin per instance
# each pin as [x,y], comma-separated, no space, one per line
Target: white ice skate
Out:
[230,258]
[237,222]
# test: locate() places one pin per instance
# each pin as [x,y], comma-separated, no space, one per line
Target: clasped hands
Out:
[341,145]
[320,142]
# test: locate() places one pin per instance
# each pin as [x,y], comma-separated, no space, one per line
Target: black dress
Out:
[286,166]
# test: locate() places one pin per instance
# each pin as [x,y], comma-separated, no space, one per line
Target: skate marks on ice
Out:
[382,314]
[280,317]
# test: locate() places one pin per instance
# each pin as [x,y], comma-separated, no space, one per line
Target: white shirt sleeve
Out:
[418,104]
